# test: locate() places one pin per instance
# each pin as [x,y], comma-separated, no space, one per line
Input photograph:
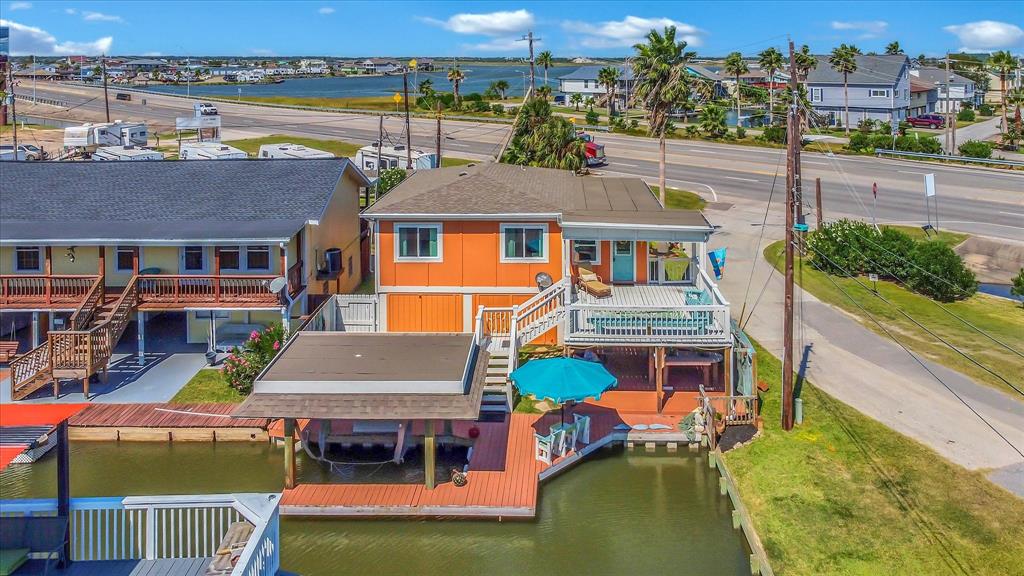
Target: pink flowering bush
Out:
[245,363]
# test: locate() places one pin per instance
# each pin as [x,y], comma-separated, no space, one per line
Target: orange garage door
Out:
[424,313]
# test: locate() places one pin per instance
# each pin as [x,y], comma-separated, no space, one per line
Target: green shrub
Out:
[741,132]
[498,109]
[838,248]
[634,124]
[903,127]
[889,253]
[866,125]
[975,149]
[692,131]
[593,118]
[965,115]
[967,105]
[774,134]
[472,97]
[859,141]
[940,273]
[880,141]
[885,128]
[243,365]
[986,110]
[929,145]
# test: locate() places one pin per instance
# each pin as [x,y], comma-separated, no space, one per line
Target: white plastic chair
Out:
[582,424]
[560,444]
[544,445]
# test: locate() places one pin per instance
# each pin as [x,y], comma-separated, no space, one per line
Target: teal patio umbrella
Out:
[563,380]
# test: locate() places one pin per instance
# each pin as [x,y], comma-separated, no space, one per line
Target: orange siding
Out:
[640,253]
[424,313]
[471,256]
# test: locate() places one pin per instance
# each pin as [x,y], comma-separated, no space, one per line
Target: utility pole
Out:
[380,142]
[529,38]
[817,200]
[792,183]
[408,133]
[438,137]
[35,73]
[106,96]
[14,108]
[950,118]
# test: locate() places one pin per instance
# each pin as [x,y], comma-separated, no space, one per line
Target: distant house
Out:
[348,67]
[923,97]
[960,89]
[583,81]
[144,65]
[424,64]
[379,66]
[878,90]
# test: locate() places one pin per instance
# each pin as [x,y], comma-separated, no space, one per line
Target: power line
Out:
[919,325]
[920,362]
[757,251]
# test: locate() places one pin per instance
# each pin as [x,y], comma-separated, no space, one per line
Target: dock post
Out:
[289,453]
[36,332]
[142,336]
[429,454]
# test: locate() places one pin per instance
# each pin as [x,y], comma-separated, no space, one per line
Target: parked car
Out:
[207,109]
[927,121]
[123,96]
[25,152]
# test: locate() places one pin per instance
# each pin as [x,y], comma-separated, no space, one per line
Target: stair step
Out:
[494,389]
[495,379]
[497,371]
[493,408]
[498,361]
[495,399]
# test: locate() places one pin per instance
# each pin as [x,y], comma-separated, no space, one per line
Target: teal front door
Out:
[623,265]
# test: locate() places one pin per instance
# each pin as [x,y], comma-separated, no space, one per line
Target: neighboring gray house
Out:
[584,81]
[961,89]
[923,97]
[878,90]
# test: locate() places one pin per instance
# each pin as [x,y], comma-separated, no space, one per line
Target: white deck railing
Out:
[164,527]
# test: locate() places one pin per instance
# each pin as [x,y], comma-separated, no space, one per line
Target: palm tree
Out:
[455,76]
[426,87]
[609,78]
[771,62]
[544,59]
[736,66]
[544,91]
[712,121]
[1004,63]
[893,48]
[660,76]
[805,62]
[576,100]
[540,139]
[844,60]
[589,102]
[501,86]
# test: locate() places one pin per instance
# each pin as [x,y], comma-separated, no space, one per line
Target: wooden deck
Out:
[168,567]
[640,295]
[504,474]
[164,415]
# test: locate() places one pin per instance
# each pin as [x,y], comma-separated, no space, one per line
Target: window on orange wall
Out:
[587,251]
[524,243]
[418,242]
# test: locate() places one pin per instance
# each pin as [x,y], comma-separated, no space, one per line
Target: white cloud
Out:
[19,6]
[100,17]
[151,54]
[629,31]
[70,11]
[986,35]
[26,40]
[326,10]
[868,28]
[492,24]
[510,44]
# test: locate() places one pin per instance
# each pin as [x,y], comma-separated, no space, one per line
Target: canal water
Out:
[618,513]
[478,78]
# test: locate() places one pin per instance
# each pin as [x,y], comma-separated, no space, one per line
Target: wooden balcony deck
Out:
[165,567]
[504,474]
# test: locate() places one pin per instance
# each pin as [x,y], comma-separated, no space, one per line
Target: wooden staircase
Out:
[84,350]
[497,398]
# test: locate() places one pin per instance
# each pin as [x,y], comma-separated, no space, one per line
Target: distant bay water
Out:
[478,78]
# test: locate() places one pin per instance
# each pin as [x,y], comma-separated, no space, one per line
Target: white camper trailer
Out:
[291,151]
[119,133]
[393,157]
[125,153]
[210,151]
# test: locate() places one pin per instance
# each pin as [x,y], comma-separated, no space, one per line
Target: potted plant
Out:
[719,423]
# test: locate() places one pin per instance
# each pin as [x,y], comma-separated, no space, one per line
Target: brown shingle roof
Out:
[503,189]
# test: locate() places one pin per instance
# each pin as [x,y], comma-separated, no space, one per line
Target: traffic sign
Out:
[397,98]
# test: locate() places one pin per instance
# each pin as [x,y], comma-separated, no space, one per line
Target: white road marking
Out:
[1011,213]
[713,193]
[912,172]
[743,179]
[459,145]
[617,163]
[813,162]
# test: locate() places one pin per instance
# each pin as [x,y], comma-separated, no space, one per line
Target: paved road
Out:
[979,201]
[979,131]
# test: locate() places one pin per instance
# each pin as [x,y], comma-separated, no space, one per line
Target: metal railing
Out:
[888,152]
[165,527]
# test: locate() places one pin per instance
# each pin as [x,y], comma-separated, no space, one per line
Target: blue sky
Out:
[332,28]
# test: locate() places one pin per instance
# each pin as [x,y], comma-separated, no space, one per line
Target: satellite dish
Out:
[278,284]
[543,280]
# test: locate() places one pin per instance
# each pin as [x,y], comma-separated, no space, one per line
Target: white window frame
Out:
[543,227]
[218,314]
[575,255]
[817,94]
[19,270]
[206,260]
[876,93]
[270,263]
[398,242]
[117,258]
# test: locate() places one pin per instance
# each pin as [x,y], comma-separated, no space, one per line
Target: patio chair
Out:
[591,283]
[543,446]
[24,535]
[560,445]
[582,427]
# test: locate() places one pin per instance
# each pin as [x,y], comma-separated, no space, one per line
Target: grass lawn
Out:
[1003,319]
[843,494]
[208,385]
[384,103]
[680,199]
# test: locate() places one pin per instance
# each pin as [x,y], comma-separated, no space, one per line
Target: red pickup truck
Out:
[927,121]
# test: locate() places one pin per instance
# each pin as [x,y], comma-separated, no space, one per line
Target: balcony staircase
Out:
[84,350]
